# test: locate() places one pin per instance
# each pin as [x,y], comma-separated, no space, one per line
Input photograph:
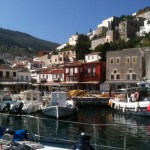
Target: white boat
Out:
[136,101]
[22,140]
[29,101]
[6,100]
[59,106]
[19,140]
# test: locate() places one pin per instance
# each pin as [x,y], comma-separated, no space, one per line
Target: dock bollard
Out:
[83,142]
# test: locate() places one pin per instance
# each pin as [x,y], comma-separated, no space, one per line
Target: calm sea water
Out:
[108,129]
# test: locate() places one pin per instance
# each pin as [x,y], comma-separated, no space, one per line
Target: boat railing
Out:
[52,131]
[64,133]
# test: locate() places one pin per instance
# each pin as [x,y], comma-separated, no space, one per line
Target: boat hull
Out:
[134,108]
[58,112]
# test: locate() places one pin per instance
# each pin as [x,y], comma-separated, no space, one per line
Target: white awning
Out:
[90,82]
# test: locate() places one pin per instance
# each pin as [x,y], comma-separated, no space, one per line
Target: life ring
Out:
[136,95]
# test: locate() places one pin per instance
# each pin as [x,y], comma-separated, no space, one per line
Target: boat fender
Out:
[115,106]
[136,108]
[148,108]
[110,103]
[124,109]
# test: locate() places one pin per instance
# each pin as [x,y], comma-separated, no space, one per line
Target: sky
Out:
[58,20]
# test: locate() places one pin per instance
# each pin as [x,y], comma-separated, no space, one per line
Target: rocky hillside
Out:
[15,42]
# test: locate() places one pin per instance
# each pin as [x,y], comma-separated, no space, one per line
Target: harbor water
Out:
[108,129]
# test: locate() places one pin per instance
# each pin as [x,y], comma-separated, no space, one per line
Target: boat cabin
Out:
[32,96]
[139,93]
[59,98]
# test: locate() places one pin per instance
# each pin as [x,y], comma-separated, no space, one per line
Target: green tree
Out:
[103,49]
[82,46]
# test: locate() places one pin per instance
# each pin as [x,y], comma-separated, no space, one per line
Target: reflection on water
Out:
[107,128]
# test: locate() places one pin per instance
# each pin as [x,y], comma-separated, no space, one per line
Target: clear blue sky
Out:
[57,20]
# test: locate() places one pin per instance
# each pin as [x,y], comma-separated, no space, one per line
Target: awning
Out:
[90,82]
[68,83]
[14,83]
[121,82]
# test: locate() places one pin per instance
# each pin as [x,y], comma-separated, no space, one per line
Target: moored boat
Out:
[136,101]
[6,100]
[59,106]
[29,101]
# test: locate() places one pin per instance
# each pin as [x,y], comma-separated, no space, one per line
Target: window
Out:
[14,74]
[118,76]
[111,61]
[117,60]
[112,77]
[26,78]
[88,71]
[134,76]
[75,79]
[130,70]
[67,70]
[1,73]
[127,60]
[93,71]
[22,78]
[7,74]
[71,71]
[75,70]
[71,79]
[115,71]
[134,59]
[46,76]
[128,76]
[67,79]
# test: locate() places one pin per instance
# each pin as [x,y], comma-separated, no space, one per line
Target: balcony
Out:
[6,79]
[91,74]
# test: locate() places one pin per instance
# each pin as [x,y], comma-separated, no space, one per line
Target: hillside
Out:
[15,42]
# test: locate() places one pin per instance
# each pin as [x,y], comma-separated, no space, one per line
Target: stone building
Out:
[128,28]
[125,68]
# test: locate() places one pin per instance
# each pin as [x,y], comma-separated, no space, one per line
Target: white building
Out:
[106,23]
[92,34]
[51,76]
[61,47]
[73,40]
[145,29]
[92,57]
[24,76]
